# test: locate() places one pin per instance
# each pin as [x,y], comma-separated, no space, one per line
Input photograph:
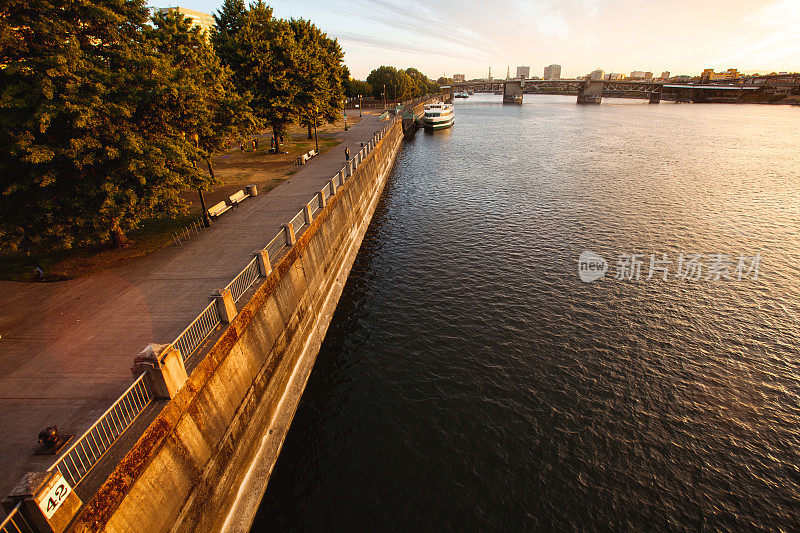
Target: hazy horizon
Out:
[581,35]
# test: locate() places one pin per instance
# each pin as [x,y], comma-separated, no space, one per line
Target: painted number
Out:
[54,498]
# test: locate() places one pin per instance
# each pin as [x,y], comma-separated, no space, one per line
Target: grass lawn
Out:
[235,169]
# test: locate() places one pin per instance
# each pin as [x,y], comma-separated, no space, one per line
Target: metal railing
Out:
[298,222]
[276,245]
[313,205]
[244,280]
[15,522]
[78,460]
[197,332]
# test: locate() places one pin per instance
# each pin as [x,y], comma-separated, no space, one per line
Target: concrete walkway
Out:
[67,347]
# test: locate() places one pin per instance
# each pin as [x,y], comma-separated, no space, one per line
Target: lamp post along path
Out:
[316,142]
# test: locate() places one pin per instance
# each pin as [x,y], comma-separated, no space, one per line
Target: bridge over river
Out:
[590,91]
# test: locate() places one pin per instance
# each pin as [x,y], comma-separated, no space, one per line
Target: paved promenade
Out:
[67,347]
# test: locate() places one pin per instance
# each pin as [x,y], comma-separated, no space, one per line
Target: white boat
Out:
[438,116]
[462,94]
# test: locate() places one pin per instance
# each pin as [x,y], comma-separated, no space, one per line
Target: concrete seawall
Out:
[204,463]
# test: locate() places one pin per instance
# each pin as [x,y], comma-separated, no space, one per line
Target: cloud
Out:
[771,38]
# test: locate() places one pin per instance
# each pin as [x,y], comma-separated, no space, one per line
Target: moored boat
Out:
[438,116]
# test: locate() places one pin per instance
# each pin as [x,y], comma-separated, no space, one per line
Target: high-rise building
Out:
[508,72]
[523,73]
[615,76]
[198,18]
[648,76]
[665,75]
[490,74]
[597,74]
[552,72]
[459,78]
[637,75]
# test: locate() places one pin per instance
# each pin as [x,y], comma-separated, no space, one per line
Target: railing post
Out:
[349,168]
[48,502]
[288,232]
[332,184]
[321,196]
[225,305]
[307,215]
[264,266]
[164,367]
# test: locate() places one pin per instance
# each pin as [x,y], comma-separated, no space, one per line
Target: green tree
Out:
[318,75]
[206,105]
[86,147]
[353,88]
[420,84]
[400,84]
[337,74]
[383,79]
[261,53]
[227,23]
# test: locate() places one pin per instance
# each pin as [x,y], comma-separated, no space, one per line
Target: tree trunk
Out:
[309,131]
[277,142]
[118,237]
[210,169]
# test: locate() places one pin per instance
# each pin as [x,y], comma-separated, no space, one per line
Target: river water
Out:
[470,380]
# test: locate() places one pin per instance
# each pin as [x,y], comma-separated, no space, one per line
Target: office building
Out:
[459,78]
[552,72]
[198,18]
[523,73]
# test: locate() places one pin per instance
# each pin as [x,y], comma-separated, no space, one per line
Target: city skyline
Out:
[580,35]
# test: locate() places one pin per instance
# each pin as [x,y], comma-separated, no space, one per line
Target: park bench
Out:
[218,209]
[237,198]
[301,160]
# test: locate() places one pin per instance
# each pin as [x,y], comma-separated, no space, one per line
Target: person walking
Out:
[347,154]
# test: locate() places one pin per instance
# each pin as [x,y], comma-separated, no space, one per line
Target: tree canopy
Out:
[105,117]
[354,88]
[294,71]
[88,147]
[399,84]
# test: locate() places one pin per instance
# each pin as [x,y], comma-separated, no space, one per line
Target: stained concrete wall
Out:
[213,446]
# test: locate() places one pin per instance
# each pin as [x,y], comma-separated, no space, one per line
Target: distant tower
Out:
[490,74]
[508,72]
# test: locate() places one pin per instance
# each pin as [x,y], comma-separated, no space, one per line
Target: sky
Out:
[468,36]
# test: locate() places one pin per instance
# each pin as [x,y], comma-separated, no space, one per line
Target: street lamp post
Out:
[344,112]
[206,218]
[359,105]
[384,97]
[316,143]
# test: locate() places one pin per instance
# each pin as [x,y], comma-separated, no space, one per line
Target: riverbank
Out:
[68,346]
